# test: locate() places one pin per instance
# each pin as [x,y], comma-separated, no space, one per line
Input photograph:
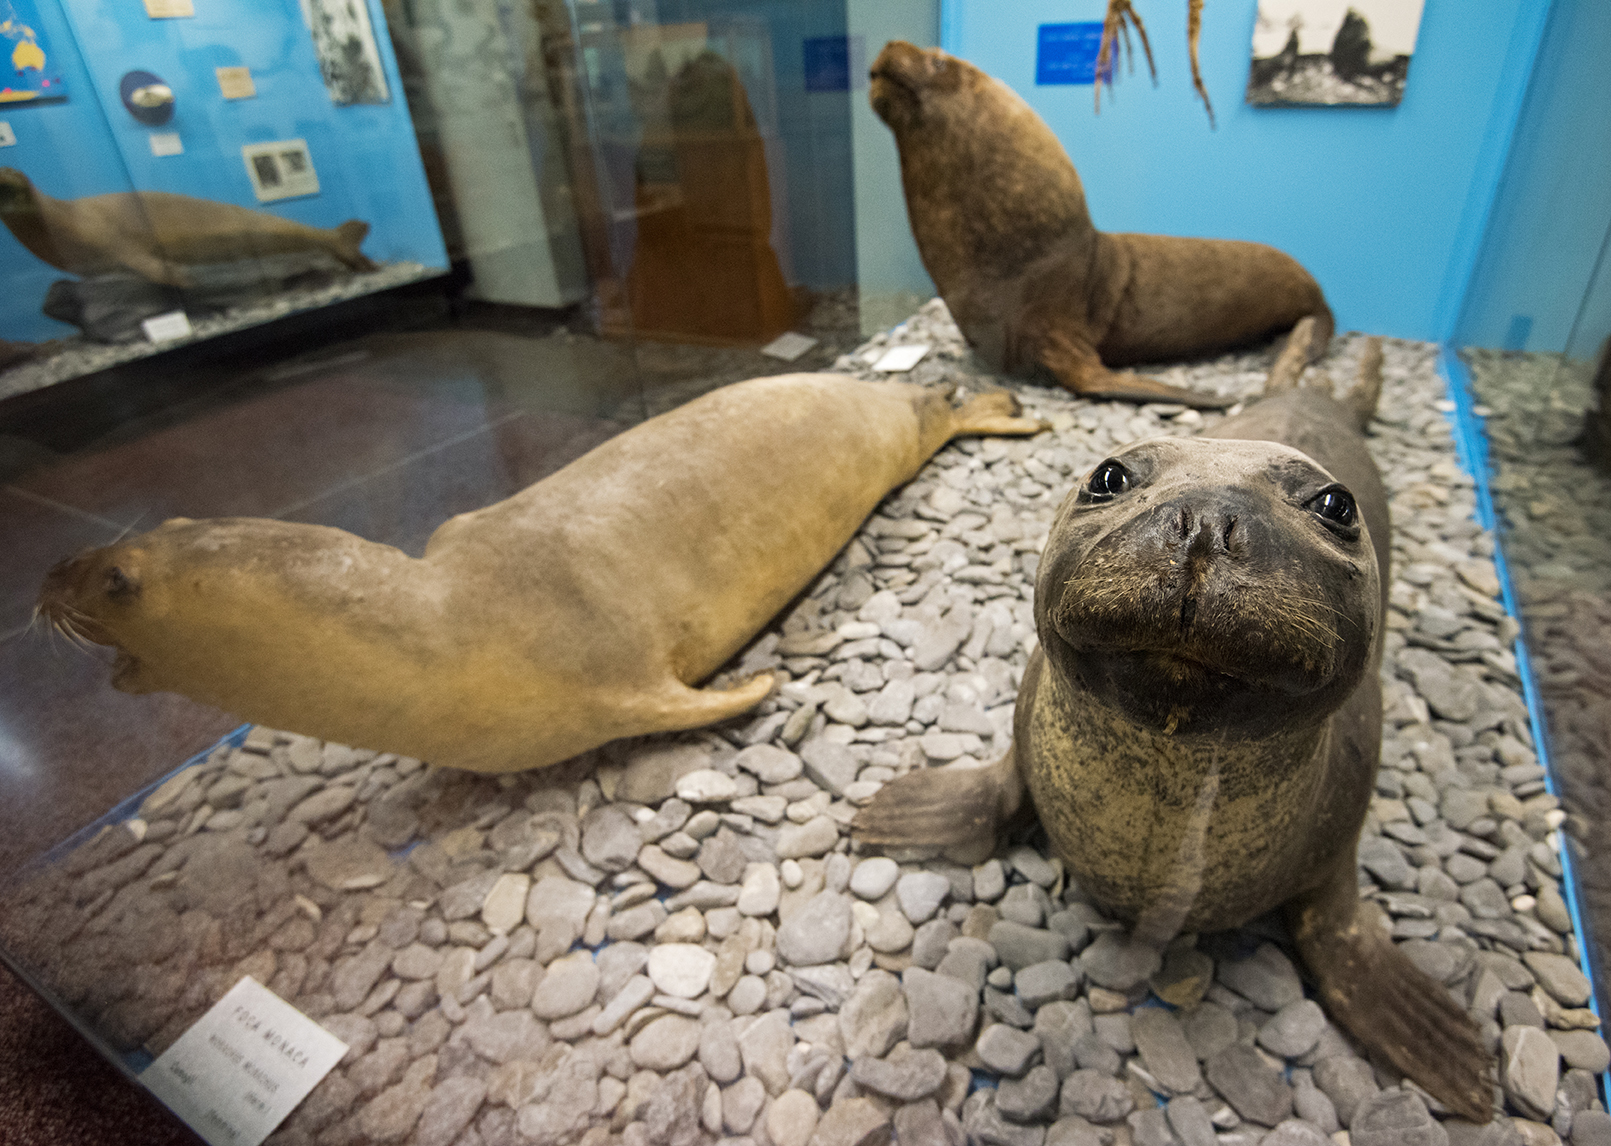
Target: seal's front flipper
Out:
[1077,368]
[953,808]
[995,412]
[1386,1002]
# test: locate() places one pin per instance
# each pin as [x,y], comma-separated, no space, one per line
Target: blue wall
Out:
[365,155]
[1553,208]
[1386,207]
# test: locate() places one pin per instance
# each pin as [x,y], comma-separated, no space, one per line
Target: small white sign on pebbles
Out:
[899,358]
[788,346]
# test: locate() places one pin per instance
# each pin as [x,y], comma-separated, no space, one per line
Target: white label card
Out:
[167,327]
[166,143]
[788,346]
[898,358]
[167,9]
[8,138]
[243,1066]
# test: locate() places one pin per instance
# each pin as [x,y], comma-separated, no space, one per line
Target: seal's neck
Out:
[24,214]
[990,198]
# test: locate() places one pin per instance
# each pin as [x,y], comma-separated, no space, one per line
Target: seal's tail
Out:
[349,237]
[1305,345]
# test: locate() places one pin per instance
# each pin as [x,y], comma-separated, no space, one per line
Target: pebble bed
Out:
[674,941]
[78,355]
[1556,514]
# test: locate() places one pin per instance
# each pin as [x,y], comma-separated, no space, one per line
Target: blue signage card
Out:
[827,64]
[1066,53]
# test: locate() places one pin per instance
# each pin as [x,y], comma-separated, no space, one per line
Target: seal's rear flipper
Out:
[1387,1003]
[349,237]
[677,707]
[995,412]
[1077,368]
[953,808]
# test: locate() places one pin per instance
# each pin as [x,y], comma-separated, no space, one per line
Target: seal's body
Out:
[1000,219]
[1200,728]
[157,235]
[578,611]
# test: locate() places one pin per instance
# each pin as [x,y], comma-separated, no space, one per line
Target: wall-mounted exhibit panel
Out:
[229,165]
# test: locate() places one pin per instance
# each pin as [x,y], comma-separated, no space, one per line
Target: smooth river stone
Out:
[504,909]
[681,969]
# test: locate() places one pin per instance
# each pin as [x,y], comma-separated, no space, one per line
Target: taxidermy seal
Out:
[999,215]
[1200,728]
[157,235]
[578,611]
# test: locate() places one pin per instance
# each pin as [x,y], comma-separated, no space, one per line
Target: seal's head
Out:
[16,190]
[1210,587]
[191,605]
[988,186]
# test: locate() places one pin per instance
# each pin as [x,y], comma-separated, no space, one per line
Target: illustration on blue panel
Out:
[35,76]
[349,58]
[1331,52]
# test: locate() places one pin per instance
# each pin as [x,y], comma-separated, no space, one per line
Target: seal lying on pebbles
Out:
[578,611]
[156,235]
[1000,220]
[1200,728]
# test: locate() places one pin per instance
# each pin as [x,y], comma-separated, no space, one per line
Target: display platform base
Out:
[579,955]
[76,356]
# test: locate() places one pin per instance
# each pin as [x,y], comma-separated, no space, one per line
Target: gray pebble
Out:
[1006,1050]
[920,894]
[1097,1097]
[1395,1118]
[1164,1050]
[1118,962]
[1257,1092]
[1294,1029]
[1031,1098]
[943,1010]
[1267,978]
[904,1076]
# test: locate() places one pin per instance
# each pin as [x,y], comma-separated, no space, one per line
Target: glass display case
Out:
[507,511]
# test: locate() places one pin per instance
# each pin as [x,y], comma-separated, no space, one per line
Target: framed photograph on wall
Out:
[1332,52]
[349,58]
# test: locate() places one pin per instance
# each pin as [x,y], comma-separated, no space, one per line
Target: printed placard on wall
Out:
[349,59]
[280,170]
[235,83]
[1332,52]
[1066,53]
[169,9]
[33,75]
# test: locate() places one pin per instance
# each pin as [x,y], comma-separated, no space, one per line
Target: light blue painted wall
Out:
[1550,217]
[1384,206]
[366,157]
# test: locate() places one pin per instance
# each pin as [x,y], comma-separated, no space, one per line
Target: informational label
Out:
[166,143]
[235,83]
[280,170]
[243,1066]
[788,346]
[167,327]
[8,138]
[168,9]
[899,358]
[1066,53]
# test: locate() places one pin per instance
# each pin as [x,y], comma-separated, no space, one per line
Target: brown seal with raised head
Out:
[999,215]
[156,234]
[1200,728]
[583,609]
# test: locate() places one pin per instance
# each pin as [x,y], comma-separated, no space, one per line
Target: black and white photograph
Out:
[1332,52]
[344,39]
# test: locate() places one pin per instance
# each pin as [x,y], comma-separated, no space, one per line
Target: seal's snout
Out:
[80,592]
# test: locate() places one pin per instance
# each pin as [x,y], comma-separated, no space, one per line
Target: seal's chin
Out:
[893,98]
[1184,691]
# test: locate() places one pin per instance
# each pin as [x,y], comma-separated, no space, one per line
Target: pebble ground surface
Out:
[673,941]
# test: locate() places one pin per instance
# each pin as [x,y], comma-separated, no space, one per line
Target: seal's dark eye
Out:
[1335,506]
[118,583]
[1109,479]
